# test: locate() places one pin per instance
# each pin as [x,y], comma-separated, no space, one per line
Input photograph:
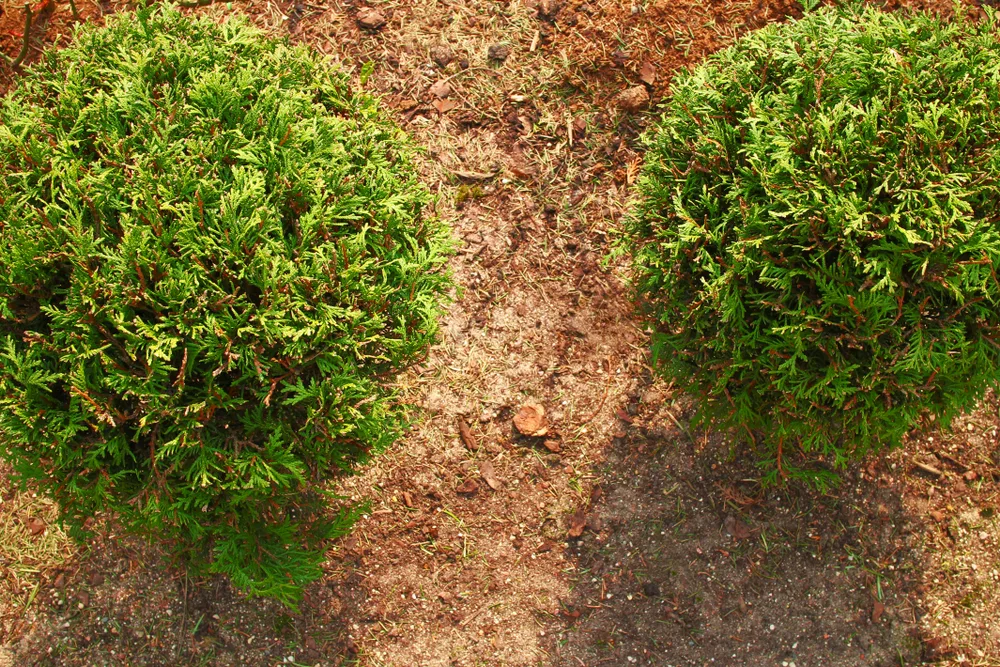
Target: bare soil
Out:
[618,537]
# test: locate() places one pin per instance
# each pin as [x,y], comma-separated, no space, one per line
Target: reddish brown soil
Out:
[636,542]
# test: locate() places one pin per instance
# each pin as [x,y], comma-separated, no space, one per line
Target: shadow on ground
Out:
[685,560]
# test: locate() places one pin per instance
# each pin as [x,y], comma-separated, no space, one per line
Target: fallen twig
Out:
[681,427]
[950,459]
[16,62]
[182,640]
[928,469]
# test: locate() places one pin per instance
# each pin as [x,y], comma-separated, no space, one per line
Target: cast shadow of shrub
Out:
[685,559]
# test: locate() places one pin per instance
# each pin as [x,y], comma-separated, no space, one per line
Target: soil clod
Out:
[632,99]
[498,53]
[442,56]
[468,488]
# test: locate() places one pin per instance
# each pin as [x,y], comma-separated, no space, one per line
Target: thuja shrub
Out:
[817,233]
[214,257]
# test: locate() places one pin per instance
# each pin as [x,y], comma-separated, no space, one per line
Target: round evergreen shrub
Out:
[214,256]
[817,233]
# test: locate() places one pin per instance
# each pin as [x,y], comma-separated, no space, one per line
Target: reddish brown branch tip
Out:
[16,62]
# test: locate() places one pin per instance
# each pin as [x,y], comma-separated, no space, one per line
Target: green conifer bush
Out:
[817,232]
[214,257]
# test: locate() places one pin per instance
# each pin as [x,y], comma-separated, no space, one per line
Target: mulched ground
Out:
[620,537]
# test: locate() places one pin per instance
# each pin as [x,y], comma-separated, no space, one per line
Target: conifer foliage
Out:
[817,234]
[214,256]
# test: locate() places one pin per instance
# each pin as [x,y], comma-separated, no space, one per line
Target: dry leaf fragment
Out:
[489,475]
[524,173]
[444,106]
[736,528]
[577,522]
[440,89]
[596,494]
[545,547]
[648,73]
[36,526]
[877,610]
[530,420]
[632,169]
[473,175]
[553,446]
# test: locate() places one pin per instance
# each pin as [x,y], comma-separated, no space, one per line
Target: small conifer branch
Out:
[16,62]
[781,469]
